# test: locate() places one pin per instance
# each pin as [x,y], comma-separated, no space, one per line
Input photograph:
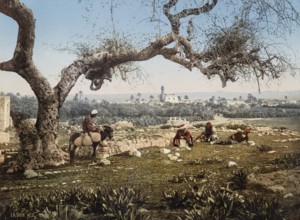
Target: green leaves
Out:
[121,203]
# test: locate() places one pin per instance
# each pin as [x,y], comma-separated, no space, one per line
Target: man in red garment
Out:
[183,133]
[87,125]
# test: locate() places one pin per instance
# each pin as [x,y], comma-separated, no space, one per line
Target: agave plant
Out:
[123,203]
[183,178]
[291,160]
[239,179]
[261,207]
[91,201]
[61,213]
[174,199]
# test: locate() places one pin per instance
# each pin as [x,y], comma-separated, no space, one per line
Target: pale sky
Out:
[58,22]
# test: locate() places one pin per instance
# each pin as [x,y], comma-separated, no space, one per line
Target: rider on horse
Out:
[87,125]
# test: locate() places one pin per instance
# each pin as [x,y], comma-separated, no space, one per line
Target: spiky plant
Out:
[261,207]
[239,179]
[220,203]
[174,199]
[123,203]
[61,213]
[291,160]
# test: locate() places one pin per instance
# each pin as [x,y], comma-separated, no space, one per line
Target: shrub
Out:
[239,179]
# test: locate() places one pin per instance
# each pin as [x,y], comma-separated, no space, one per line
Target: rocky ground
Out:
[143,158]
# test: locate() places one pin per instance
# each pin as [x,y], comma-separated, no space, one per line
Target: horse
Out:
[93,139]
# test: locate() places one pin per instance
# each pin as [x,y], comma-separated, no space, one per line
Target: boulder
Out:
[29,174]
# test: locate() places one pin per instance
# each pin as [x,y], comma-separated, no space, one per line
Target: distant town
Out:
[152,109]
[247,102]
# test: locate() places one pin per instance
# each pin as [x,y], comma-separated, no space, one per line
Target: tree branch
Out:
[24,48]
[175,18]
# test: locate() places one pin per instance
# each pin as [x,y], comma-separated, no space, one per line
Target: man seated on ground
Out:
[183,133]
[87,125]
[237,137]
[209,133]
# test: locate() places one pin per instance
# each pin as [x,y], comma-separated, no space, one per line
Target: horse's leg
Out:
[72,154]
[94,158]
[71,150]
[74,142]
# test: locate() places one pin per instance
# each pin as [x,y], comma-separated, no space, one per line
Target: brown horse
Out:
[94,139]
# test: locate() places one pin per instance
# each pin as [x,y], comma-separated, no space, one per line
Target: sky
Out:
[59,22]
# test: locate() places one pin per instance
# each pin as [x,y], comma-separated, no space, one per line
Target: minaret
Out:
[162,93]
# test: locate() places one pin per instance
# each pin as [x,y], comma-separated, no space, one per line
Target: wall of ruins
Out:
[5,121]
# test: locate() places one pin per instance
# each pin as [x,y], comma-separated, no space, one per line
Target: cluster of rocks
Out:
[7,154]
[34,174]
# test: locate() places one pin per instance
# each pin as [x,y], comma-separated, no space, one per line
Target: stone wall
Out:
[4,118]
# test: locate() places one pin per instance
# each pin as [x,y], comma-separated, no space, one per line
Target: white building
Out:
[171,98]
[237,103]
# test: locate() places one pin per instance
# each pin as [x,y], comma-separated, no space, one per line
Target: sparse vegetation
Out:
[239,179]
[199,186]
[288,161]
[120,203]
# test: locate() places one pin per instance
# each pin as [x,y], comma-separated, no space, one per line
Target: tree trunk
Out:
[38,141]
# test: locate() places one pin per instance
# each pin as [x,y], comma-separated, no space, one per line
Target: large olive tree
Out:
[232,50]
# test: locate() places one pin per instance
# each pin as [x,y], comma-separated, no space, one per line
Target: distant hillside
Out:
[292,95]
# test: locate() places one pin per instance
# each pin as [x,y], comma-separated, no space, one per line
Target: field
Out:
[270,168]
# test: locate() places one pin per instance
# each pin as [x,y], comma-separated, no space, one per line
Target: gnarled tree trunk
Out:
[38,140]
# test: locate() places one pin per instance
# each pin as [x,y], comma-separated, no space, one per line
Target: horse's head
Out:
[108,132]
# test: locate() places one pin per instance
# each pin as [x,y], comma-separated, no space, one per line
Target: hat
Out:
[94,112]
[183,126]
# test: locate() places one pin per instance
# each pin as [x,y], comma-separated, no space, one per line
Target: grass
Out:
[154,172]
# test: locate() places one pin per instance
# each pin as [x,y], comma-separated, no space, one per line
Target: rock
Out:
[173,158]
[188,148]
[271,151]
[289,195]
[29,174]
[104,162]
[165,151]
[176,149]
[232,164]
[177,154]
[134,152]
[10,170]
[251,143]
[137,153]
[4,189]
[277,188]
